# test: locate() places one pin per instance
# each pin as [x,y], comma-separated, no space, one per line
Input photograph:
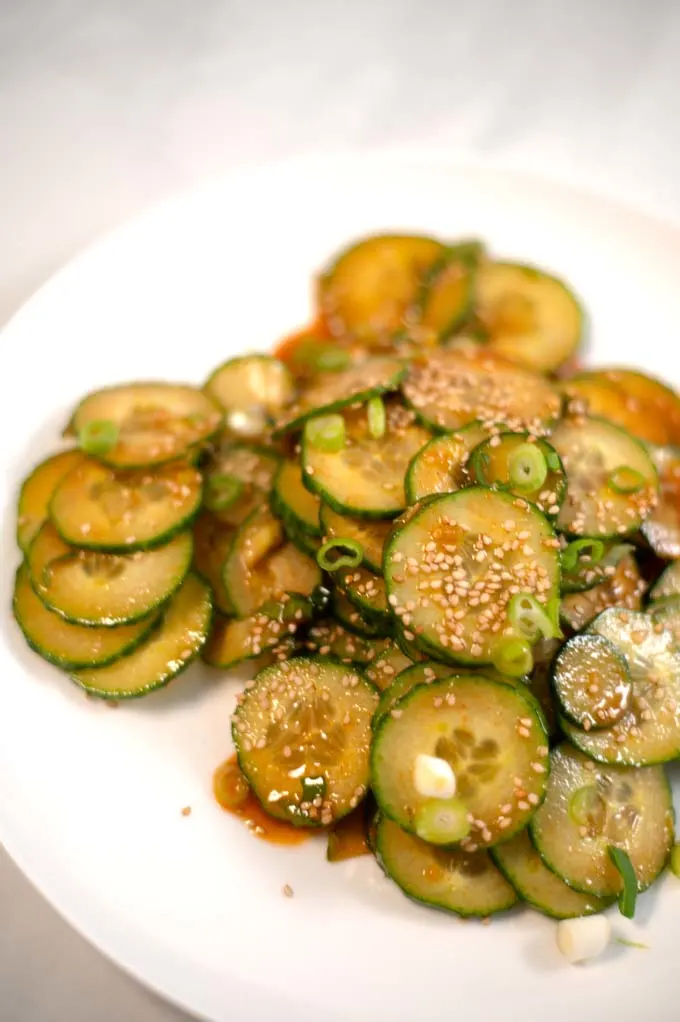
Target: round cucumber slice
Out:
[649,730]
[596,561]
[450,388]
[448,291]
[371,534]
[611,480]
[522,465]
[294,504]
[522,866]
[624,588]
[441,466]
[166,653]
[253,390]
[493,738]
[530,317]
[90,588]
[385,668]
[36,494]
[302,734]
[594,394]
[592,682]
[330,638]
[407,679]
[72,646]
[212,542]
[367,592]
[232,641]
[589,808]
[453,568]
[238,479]
[466,883]
[96,508]
[662,528]
[667,584]
[650,399]
[355,620]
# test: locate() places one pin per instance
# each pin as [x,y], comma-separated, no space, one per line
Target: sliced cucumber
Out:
[371,290]
[97,508]
[386,667]
[450,388]
[36,493]
[212,542]
[592,682]
[238,479]
[649,731]
[329,638]
[453,568]
[72,646]
[371,534]
[666,612]
[90,588]
[331,392]
[492,736]
[365,477]
[529,317]
[355,620]
[522,866]
[253,391]
[302,734]
[524,466]
[593,394]
[441,466]
[407,679]
[667,584]
[261,565]
[166,653]
[651,399]
[366,591]
[589,808]
[662,528]
[624,588]
[232,641]
[448,292]
[156,422]
[294,504]
[466,883]
[611,480]
[595,563]
[539,682]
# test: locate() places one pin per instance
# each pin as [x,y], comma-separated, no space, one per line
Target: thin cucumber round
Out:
[372,287]
[447,294]
[592,393]
[238,479]
[522,866]
[371,534]
[625,588]
[652,400]
[592,682]
[294,504]
[667,584]
[261,565]
[329,638]
[441,466]
[72,646]
[407,679]
[97,508]
[453,568]
[232,641]
[589,571]
[529,316]
[522,465]
[649,731]
[90,588]
[367,592]
[36,494]
[156,422]
[366,476]
[386,667]
[662,528]
[466,883]
[212,542]
[302,733]
[590,808]
[493,738]
[331,392]
[611,480]
[168,651]
[450,388]
[354,619]
[253,391]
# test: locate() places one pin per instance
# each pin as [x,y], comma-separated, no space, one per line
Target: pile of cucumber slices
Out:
[444,552]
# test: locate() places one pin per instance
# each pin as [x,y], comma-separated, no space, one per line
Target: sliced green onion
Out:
[320,357]
[442,821]
[98,437]
[587,808]
[590,551]
[529,618]
[313,787]
[347,553]
[377,421]
[527,467]
[626,480]
[222,491]
[512,656]
[675,860]
[553,460]
[628,896]
[326,433]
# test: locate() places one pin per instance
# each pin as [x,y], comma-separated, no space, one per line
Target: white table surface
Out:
[107,106]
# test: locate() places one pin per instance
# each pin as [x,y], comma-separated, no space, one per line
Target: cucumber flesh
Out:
[587,574]
[302,734]
[36,494]
[498,462]
[212,542]
[294,504]
[97,508]
[407,679]
[662,528]
[250,468]
[590,807]
[232,641]
[466,883]
[252,390]
[592,393]
[592,682]
[329,638]
[90,588]
[492,736]
[522,866]
[72,646]
[668,583]
[448,293]
[354,619]
[386,667]
[441,466]
[624,588]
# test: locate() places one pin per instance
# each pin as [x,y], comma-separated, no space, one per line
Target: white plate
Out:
[90,799]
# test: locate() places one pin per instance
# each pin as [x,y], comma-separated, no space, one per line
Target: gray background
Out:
[109,105]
